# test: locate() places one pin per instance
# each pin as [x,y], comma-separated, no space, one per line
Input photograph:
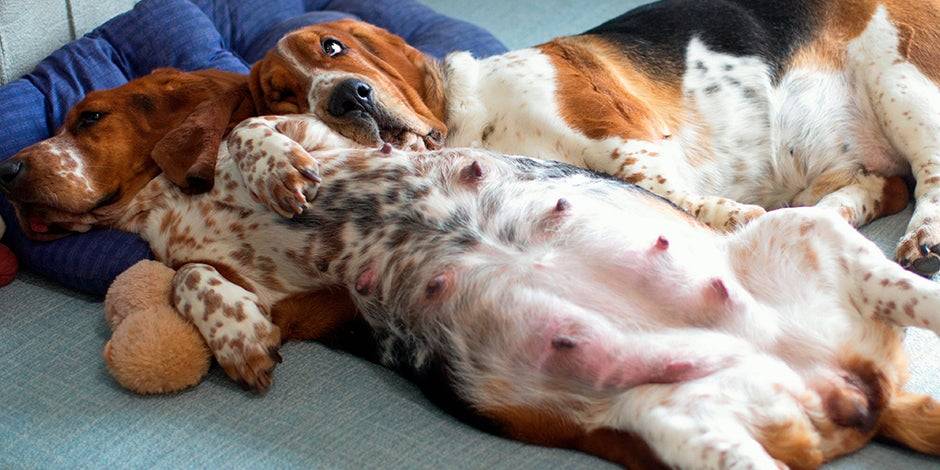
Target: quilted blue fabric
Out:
[188,35]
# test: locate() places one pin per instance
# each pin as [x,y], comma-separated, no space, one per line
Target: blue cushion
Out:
[260,23]
[188,35]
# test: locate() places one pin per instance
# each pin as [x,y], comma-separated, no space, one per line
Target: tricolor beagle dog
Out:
[568,308]
[726,108]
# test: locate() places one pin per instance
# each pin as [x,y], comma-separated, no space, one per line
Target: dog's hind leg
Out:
[866,198]
[703,426]
[828,249]
[907,103]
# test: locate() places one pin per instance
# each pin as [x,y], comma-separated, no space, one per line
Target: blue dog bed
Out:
[188,35]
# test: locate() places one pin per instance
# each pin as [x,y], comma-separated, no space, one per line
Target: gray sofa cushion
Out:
[31,29]
[60,408]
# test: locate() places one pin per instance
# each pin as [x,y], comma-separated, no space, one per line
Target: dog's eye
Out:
[89,118]
[332,47]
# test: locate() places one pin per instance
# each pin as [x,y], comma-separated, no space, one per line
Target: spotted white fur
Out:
[907,104]
[748,140]
[803,291]
[239,333]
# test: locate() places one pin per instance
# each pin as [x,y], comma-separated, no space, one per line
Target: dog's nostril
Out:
[363,90]
[9,170]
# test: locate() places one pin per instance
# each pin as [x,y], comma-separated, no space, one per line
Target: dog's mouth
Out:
[375,129]
[408,139]
[43,223]
[40,228]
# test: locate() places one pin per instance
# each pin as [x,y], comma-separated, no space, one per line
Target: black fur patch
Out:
[658,34]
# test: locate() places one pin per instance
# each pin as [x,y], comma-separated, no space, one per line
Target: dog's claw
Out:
[919,251]
[927,266]
[311,175]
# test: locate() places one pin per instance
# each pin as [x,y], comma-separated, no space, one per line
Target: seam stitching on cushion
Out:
[3,59]
[71,16]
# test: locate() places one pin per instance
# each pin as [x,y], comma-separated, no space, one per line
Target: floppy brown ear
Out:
[255,87]
[274,89]
[187,154]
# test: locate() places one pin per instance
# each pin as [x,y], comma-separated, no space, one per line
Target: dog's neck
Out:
[464,108]
[158,194]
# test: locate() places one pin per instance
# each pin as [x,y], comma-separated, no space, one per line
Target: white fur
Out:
[71,165]
[908,107]
[748,140]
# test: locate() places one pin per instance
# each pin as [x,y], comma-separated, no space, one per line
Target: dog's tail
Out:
[914,421]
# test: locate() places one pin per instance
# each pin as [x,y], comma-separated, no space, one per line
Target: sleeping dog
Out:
[724,107]
[570,309]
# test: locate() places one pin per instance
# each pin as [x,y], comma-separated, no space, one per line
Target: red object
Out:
[8,265]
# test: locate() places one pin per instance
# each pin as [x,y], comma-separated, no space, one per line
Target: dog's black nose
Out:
[351,95]
[9,170]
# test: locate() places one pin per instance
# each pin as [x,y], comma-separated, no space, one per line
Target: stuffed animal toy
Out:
[8,263]
[152,348]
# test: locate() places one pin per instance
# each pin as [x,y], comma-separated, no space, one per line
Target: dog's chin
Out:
[368,131]
[39,228]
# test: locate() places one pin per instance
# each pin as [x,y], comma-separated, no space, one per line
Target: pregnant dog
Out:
[724,107]
[558,299]
[570,309]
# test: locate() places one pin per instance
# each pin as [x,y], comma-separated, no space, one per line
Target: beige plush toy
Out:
[152,348]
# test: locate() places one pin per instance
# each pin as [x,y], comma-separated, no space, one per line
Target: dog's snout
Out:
[351,95]
[10,170]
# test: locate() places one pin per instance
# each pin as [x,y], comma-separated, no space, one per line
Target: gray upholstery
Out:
[59,408]
[31,29]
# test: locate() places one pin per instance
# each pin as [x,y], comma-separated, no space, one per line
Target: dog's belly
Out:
[760,142]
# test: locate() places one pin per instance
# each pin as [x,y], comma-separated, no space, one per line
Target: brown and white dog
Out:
[112,146]
[727,108]
[571,309]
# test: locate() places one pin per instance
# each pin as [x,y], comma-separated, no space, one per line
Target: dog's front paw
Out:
[250,358]
[277,169]
[286,179]
[741,215]
[725,214]
[919,249]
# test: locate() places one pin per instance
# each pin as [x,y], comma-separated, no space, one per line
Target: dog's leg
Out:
[272,155]
[907,104]
[867,198]
[831,250]
[651,167]
[749,415]
[237,330]
[690,430]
